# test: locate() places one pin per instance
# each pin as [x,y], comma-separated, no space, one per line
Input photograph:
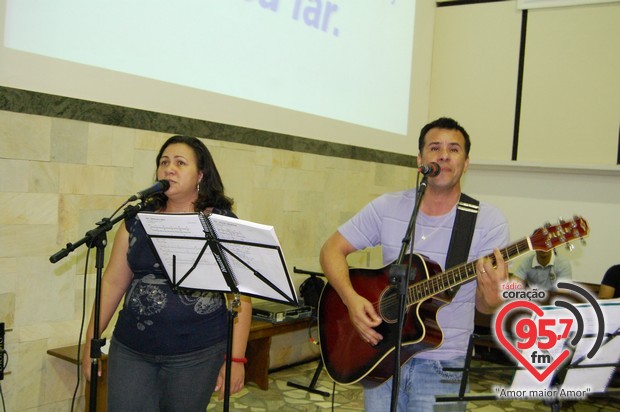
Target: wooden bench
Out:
[259,343]
[257,368]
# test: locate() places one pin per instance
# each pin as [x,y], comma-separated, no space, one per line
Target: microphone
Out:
[432,169]
[159,186]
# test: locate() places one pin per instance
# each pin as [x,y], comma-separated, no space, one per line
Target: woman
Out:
[168,347]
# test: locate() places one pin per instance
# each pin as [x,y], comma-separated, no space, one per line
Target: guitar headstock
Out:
[549,237]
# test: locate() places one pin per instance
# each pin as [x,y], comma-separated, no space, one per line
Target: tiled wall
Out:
[58,177]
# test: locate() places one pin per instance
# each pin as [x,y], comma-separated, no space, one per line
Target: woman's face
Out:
[178,164]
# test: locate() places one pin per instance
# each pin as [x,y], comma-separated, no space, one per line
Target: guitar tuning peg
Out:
[561,220]
[570,247]
[583,241]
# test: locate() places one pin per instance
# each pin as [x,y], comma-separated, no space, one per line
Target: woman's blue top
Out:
[157,320]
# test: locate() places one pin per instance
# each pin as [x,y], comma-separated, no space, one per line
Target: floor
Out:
[284,398]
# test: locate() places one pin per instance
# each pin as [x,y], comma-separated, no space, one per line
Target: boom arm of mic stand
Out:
[400,276]
[104,225]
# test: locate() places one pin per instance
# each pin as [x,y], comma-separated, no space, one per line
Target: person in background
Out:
[610,289]
[610,285]
[543,270]
[384,222]
[168,347]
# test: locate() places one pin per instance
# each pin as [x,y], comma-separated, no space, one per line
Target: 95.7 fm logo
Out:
[557,347]
[542,339]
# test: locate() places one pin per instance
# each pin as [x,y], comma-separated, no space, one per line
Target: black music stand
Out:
[245,258]
[312,387]
[314,282]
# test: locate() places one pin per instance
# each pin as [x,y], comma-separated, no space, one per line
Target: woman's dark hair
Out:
[211,193]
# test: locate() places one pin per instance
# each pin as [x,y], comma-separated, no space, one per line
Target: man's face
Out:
[447,148]
[543,257]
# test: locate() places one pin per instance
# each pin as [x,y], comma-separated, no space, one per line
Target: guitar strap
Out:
[462,234]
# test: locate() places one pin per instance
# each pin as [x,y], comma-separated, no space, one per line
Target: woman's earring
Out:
[198,187]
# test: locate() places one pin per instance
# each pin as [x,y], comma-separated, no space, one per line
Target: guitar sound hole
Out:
[388,305]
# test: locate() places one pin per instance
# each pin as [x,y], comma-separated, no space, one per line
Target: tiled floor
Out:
[281,397]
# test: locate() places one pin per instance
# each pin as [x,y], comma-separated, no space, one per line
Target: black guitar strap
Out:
[462,234]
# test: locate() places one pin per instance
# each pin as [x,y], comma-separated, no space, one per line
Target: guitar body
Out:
[347,358]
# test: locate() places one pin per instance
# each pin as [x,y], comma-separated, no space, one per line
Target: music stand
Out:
[314,277]
[222,254]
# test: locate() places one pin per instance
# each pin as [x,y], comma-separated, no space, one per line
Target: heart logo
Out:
[539,374]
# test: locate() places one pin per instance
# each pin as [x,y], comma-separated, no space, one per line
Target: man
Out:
[610,285]
[610,289]
[384,222]
[543,270]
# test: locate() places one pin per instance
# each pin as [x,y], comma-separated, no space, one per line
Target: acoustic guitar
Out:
[349,359]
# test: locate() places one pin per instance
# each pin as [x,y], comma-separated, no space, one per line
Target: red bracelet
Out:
[238,360]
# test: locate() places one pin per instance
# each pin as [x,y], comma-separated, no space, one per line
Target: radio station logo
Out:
[543,341]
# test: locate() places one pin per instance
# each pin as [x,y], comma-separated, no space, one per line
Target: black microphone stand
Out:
[400,275]
[232,314]
[96,238]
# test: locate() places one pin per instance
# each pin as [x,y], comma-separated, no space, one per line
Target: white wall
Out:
[475,65]
[568,138]
[531,196]
[570,91]
[571,86]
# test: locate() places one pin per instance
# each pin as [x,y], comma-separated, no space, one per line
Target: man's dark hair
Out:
[444,123]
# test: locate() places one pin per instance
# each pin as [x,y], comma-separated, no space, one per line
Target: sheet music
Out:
[183,236]
[595,378]
[229,228]
[178,224]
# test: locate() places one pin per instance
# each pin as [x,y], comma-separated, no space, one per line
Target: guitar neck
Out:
[461,274]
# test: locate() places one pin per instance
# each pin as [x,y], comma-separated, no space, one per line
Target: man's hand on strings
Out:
[364,318]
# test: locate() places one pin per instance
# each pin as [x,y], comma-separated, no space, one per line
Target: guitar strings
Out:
[437,284]
[426,288]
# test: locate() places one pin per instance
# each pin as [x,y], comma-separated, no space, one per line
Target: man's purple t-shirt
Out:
[384,221]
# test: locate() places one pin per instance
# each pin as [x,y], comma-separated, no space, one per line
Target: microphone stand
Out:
[96,238]
[232,314]
[400,275]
